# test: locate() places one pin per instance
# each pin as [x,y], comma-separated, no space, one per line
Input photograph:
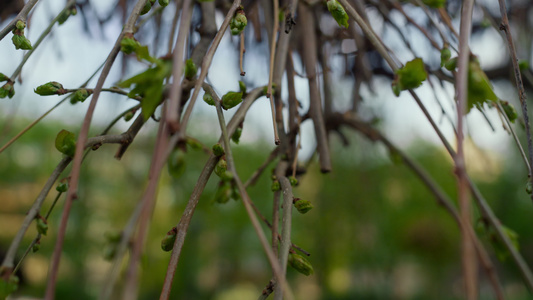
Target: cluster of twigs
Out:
[298,34]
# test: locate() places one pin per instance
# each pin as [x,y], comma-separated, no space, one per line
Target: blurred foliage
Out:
[375,232]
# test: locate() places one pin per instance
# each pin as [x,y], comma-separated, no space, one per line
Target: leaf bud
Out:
[48,89]
[42,226]
[36,247]
[167,243]
[66,142]
[300,264]
[275,186]
[231,99]
[3,77]
[529,187]
[146,8]
[20,25]
[242,86]
[445,55]
[80,96]
[7,90]
[209,99]
[223,193]
[62,187]
[163,2]
[128,116]
[190,69]
[128,45]
[237,135]
[338,13]
[21,42]
[218,150]
[303,206]
[293,181]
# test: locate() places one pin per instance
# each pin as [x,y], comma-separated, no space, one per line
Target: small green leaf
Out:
[300,264]
[42,226]
[293,181]
[146,8]
[218,150]
[445,55]
[231,99]
[20,25]
[167,243]
[509,111]
[275,186]
[411,75]
[164,2]
[7,90]
[49,89]
[221,169]
[190,69]
[479,87]
[237,135]
[523,64]
[66,142]
[62,187]
[36,247]
[8,286]
[242,86]
[223,192]
[3,77]
[129,45]
[435,3]
[21,42]
[80,96]
[338,13]
[176,163]
[451,64]
[303,206]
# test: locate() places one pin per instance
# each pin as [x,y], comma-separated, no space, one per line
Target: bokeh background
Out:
[375,232]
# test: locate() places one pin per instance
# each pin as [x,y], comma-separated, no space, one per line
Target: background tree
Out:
[317,51]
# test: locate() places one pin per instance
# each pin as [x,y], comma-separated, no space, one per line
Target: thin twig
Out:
[285,231]
[275,24]
[518,78]
[468,254]
[242,50]
[76,166]
[246,201]
[22,16]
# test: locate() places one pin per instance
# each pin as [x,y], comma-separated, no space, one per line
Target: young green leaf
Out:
[209,99]
[167,243]
[128,45]
[20,25]
[338,13]
[7,90]
[164,2]
[42,226]
[66,142]
[242,86]
[451,64]
[223,192]
[300,264]
[435,3]
[21,42]
[445,55]
[479,87]
[275,186]
[410,76]
[49,89]
[62,187]
[80,96]
[190,69]
[8,286]
[231,99]
[218,150]
[3,77]
[303,206]
[293,181]
[146,8]
[237,135]
[509,111]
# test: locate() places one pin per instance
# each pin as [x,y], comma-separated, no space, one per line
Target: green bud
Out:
[275,186]
[164,2]
[242,86]
[209,99]
[128,116]
[523,64]
[146,8]
[36,247]
[3,77]
[129,45]
[338,13]
[396,89]
[190,69]
[21,42]
[223,193]
[237,135]
[218,150]
[303,206]
[73,11]
[451,64]
[7,90]
[293,181]
[63,17]
[265,89]
[20,25]
[167,243]
[445,55]
[66,142]
[62,187]
[221,167]
[300,264]
[48,89]
[235,31]
[80,96]
[176,163]
[529,187]
[509,111]
[231,99]
[42,227]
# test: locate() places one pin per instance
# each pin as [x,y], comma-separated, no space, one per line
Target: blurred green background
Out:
[375,232]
